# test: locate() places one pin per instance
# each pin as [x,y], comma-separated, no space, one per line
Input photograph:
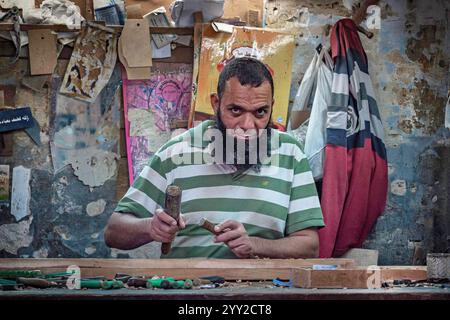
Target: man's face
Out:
[243,108]
[242,115]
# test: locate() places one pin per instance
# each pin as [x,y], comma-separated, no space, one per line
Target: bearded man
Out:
[238,172]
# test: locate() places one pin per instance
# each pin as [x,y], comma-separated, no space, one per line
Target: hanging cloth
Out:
[354,186]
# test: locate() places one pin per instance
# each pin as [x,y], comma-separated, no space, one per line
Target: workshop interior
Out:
[94,92]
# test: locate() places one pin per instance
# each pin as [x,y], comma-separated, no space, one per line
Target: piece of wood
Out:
[135,41]
[62,28]
[42,51]
[122,182]
[346,278]
[132,73]
[355,278]
[230,269]
[134,11]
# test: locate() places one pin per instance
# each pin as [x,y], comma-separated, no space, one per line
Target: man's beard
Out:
[252,154]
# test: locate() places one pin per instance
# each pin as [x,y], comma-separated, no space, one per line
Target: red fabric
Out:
[352,198]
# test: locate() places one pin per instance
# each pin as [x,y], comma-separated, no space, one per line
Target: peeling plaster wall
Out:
[409,65]
[67,217]
[409,60]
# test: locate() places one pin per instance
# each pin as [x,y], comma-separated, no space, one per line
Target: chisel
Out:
[172,208]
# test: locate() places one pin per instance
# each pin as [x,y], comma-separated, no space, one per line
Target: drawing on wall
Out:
[150,106]
[91,64]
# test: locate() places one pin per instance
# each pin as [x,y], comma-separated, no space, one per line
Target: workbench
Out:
[253,292]
[246,279]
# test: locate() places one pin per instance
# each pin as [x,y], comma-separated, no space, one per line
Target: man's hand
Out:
[234,235]
[163,227]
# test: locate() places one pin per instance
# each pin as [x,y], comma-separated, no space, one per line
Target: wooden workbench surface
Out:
[252,292]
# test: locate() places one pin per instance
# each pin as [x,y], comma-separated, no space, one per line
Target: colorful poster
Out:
[150,107]
[91,64]
[275,49]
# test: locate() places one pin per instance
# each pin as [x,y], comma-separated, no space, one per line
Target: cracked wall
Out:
[409,65]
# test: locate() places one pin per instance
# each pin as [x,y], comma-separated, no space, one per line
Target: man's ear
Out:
[215,104]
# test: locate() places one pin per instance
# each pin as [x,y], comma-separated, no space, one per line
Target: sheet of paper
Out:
[160,53]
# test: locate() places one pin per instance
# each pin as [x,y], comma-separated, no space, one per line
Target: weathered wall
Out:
[409,64]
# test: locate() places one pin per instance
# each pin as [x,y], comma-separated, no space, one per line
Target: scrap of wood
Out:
[134,11]
[355,278]
[230,269]
[42,51]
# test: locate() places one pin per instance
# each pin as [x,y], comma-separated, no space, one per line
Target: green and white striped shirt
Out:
[272,203]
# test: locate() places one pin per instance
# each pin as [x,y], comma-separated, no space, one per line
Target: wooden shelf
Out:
[63,28]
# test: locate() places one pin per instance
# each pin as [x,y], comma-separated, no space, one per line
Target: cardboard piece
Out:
[132,73]
[241,8]
[134,11]
[135,41]
[42,51]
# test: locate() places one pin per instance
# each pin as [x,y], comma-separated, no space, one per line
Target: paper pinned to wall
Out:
[21,192]
[94,167]
[91,64]
[150,106]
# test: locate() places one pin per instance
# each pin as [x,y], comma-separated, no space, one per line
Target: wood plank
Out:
[245,269]
[330,279]
[355,278]
[64,28]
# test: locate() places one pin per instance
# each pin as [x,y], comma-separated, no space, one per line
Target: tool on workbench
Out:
[172,208]
[163,283]
[8,285]
[36,282]
[122,277]
[14,274]
[137,282]
[182,284]
[205,224]
[100,284]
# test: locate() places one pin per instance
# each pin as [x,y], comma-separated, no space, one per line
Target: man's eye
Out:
[261,112]
[236,110]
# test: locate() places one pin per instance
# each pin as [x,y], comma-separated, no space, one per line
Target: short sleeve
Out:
[147,192]
[304,205]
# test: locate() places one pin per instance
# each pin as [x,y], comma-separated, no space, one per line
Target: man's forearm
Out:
[126,232]
[289,247]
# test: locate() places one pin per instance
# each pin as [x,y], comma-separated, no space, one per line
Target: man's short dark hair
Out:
[249,71]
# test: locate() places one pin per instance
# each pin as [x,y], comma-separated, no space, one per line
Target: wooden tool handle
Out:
[172,208]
